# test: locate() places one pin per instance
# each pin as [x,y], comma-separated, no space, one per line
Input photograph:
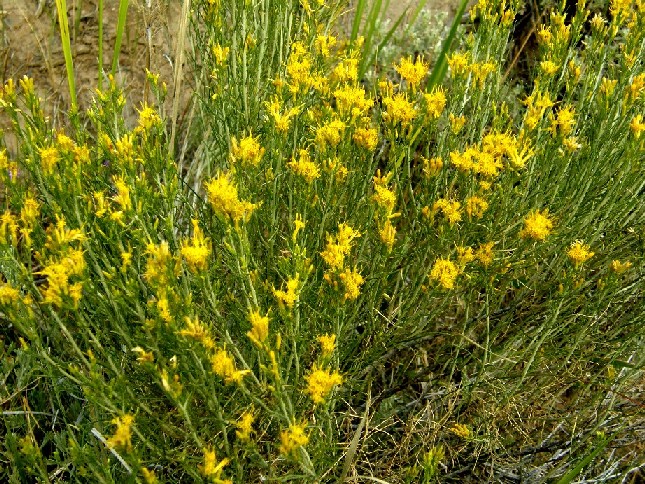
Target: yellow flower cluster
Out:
[196,250]
[122,438]
[579,252]
[320,383]
[339,246]
[247,150]
[223,197]
[445,272]
[399,110]
[537,225]
[290,296]
[213,469]
[304,167]
[412,72]
[223,366]
[293,438]
[352,281]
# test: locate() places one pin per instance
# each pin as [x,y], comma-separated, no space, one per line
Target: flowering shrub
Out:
[343,269]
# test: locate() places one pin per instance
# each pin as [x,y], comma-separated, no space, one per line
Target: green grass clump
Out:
[380,282]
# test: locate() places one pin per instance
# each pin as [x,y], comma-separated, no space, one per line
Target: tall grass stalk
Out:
[63,24]
[120,30]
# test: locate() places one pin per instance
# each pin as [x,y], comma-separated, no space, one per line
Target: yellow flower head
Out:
[223,197]
[445,272]
[327,343]
[476,206]
[432,167]
[620,267]
[461,430]
[330,133]
[387,233]
[579,253]
[352,281]
[122,437]
[412,72]
[320,383]
[290,296]
[196,250]
[451,209]
[259,328]
[293,438]
[223,366]
[338,247]
[211,468]
[245,426]
[366,138]
[399,109]
[537,225]
[484,253]
[248,150]
[435,102]
[8,294]
[304,167]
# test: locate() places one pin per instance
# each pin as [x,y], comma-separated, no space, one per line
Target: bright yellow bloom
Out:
[549,67]
[304,167]
[476,206]
[122,196]
[324,43]
[299,68]
[58,236]
[383,196]
[259,328]
[327,343]
[387,233]
[144,356]
[223,197]
[8,228]
[122,437]
[157,264]
[320,383]
[198,331]
[346,70]
[196,250]
[366,138]
[481,70]
[579,253]
[456,123]
[149,476]
[465,255]
[298,225]
[248,150]
[223,366]
[537,225]
[211,468]
[330,133]
[620,267]
[484,253]
[458,63]
[245,426]
[338,247]
[412,72]
[637,125]
[49,158]
[451,209]
[58,279]
[290,296]
[445,272]
[565,121]
[352,101]
[148,118]
[293,438]
[220,53]
[399,109]
[8,294]
[352,281]
[435,102]
[282,120]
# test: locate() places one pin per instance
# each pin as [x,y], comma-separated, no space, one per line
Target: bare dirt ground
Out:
[30,45]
